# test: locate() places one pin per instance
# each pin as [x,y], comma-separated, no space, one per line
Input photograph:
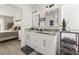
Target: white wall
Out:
[71,12]
[7,10]
[26,22]
[26,15]
[26,12]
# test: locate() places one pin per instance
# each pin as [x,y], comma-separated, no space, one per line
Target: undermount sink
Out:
[46,32]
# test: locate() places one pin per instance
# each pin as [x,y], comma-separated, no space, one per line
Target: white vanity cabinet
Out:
[42,43]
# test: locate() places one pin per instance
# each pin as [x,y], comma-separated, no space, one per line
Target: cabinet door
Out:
[34,41]
[33,38]
[37,42]
[27,39]
[51,47]
[41,43]
[49,43]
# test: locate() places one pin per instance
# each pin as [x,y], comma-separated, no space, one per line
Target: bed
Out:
[8,35]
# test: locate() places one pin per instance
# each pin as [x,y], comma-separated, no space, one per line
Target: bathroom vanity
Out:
[44,42]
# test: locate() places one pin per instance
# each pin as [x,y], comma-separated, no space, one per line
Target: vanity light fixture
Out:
[34,12]
[51,5]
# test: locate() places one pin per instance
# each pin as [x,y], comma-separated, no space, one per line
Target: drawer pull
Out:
[44,42]
[28,37]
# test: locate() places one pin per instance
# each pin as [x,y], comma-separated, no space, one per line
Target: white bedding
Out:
[7,31]
[7,35]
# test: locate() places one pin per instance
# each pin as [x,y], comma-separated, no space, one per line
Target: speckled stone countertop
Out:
[49,32]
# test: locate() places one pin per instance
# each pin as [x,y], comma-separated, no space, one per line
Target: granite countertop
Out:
[48,32]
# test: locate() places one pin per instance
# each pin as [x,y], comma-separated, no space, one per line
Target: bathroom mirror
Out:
[52,18]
